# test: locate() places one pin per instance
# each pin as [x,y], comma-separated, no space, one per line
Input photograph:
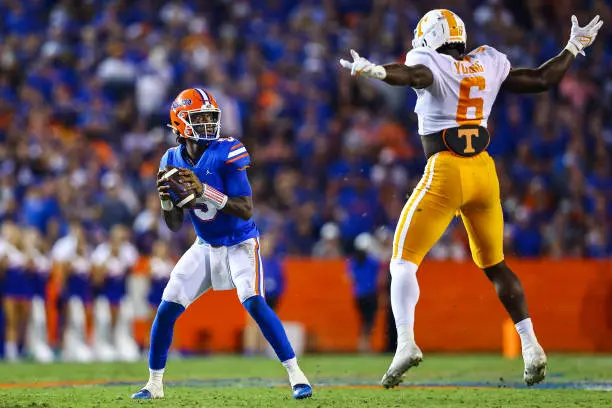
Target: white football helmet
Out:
[439,27]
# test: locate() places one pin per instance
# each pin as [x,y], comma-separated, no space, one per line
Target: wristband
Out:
[379,72]
[573,48]
[214,196]
[167,205]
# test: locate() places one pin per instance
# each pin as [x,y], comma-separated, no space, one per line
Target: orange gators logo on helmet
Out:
[195,115]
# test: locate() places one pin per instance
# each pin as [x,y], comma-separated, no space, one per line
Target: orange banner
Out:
[570,302]
[458,311]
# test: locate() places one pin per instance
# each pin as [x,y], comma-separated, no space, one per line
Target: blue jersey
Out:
[222,166]
[364,275]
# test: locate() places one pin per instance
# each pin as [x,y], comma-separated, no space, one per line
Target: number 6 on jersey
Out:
[465,102]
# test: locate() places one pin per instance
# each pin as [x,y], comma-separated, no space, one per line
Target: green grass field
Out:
[338,381]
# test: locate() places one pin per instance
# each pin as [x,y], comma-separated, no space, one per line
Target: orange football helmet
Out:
[195,115]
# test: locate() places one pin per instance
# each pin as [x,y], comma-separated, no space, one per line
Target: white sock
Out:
[10,351]
[404,297]
[296,376]
[525,330]
[291,364]
[156,376]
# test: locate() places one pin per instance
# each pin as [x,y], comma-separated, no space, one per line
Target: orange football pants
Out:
[452,184]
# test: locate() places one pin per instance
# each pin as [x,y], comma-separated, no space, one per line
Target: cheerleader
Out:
[73,260]
[39,267]
[113,261]
[17,289]
[160,266]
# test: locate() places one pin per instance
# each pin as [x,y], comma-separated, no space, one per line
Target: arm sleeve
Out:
[236,163]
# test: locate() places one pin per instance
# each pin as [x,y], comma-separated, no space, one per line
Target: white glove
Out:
[363,67]
[582,37]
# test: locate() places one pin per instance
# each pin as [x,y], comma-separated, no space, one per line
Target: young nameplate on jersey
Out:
[206,176]
[455,91]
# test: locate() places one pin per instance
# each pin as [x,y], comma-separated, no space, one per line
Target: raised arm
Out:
[541,79]
[549,74]
[417,76]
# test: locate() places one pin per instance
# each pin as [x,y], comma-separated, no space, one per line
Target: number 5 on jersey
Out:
[204,211]
[465,102]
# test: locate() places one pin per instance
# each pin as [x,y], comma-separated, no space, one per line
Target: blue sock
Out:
[270,325]
[161,333]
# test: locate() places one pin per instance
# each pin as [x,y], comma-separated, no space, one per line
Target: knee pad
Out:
[246,286]
[175,292]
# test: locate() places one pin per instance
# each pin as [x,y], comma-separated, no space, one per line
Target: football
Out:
[180,195]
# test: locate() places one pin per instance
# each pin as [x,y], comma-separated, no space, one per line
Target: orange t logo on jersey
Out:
[468,134]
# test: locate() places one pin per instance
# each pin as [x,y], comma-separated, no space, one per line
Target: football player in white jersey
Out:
[455,93]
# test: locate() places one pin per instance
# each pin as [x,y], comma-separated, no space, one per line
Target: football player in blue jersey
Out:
[209,181]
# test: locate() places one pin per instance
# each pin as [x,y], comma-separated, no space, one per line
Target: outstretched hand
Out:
[362,66]
[582,37]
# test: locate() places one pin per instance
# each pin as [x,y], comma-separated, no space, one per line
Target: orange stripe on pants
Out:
[257,266]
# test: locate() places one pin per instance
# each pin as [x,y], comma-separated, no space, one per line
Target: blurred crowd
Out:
[85,88]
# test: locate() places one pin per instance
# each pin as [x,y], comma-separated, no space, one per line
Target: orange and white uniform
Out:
[462,93]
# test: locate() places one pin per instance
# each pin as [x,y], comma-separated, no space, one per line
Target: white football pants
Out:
[222,268]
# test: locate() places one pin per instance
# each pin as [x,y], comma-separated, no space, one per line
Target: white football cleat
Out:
[150,391]
[406,356]
[535,364]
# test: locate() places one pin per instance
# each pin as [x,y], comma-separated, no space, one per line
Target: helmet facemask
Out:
[201,124]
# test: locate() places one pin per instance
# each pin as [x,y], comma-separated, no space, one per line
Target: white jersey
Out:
[116,265]
[81,265]
[462,92]
[14,257]
[160,268]
[42,263]
[64,249]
